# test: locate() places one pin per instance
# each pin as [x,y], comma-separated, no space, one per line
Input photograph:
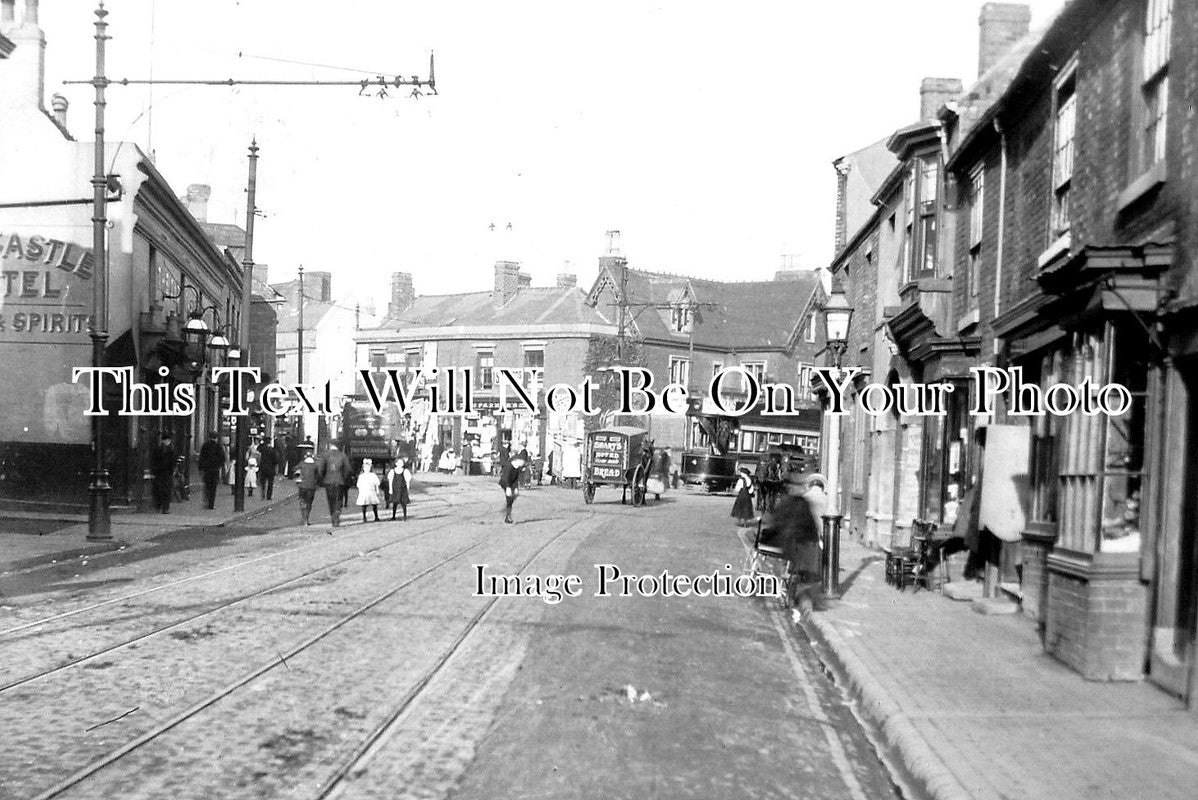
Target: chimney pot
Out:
[8,12]
[1000,25]
[59,105]
[30,13]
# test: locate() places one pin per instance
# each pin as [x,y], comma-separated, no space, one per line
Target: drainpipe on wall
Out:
[1002,209]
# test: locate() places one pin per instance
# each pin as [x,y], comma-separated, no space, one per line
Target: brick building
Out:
[688,329]
[162,269]
[542,334]
[1076,255]
[1044,218]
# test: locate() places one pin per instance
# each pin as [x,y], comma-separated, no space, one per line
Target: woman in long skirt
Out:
[399,481]
[368,489]
[742,509]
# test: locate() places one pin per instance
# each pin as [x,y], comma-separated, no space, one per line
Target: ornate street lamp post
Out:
[837,316]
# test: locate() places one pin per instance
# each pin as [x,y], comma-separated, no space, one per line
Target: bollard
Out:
[831,556]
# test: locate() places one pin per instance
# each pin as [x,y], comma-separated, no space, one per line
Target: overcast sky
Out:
[703,131]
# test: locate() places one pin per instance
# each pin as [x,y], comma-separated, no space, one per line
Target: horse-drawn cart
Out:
[623,456]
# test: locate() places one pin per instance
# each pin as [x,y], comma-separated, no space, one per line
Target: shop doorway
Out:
[1175,632]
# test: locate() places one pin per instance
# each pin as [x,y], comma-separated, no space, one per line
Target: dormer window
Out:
[680,318]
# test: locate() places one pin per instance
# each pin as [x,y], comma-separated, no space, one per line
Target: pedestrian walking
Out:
[335,474]
[467,457]
[795,531]
[817,498]
[280,451]
[368,489]
[211,462]
[509,479]
[435,461]
[268,463]
[448,462]
[398,485]
[251,468]
[742,508]
[162,467]
[307,476]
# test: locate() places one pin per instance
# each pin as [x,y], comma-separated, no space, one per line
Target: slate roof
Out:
[742,315]
[531,305]
[288,311]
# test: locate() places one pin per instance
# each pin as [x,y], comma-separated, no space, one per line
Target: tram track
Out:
[215,697]
[181,581]
[226,605]
[357,761]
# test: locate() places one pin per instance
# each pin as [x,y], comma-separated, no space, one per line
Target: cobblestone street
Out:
[266,659]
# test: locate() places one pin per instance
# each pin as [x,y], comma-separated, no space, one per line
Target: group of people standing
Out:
[333,471]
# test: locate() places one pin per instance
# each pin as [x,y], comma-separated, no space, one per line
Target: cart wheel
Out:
[588,493]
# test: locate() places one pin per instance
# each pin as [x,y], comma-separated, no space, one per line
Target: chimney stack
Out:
[507,282]
[23,79]
[59,105]
[197,200]
[403,294]
[1000,25]
[566,280]
[318,286]
[935,92]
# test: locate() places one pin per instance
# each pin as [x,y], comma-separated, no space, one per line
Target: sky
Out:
[703,131]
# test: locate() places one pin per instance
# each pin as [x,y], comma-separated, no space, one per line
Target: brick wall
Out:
[1096,617]
[1034,581]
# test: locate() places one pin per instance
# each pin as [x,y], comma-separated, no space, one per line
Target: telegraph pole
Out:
[99,521]
[243,332]
[299,371]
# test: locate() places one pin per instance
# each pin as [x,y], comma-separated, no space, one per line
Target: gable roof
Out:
[530,305]
[867,169]
[288,311]
[749,315]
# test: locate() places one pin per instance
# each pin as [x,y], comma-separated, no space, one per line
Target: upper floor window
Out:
[378,360]
[809,332]
[485,369]
[1157,27]
[756,369]
[977,202]
[680,370]
[534,366]
[1062,151]
[804,385]
[919,194]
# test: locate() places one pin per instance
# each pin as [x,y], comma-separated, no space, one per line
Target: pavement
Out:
[30,539]
[972,707]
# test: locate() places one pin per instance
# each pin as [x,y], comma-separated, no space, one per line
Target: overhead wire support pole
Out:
[243,327]
[99,488]
[99,520]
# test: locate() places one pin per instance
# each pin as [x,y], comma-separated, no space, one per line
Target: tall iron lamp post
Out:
[837,316]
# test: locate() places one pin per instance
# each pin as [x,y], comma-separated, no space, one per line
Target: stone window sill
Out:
[1140,188]
[1054,250]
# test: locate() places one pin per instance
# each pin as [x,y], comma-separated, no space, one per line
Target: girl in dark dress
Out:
[399,479]
[742,509]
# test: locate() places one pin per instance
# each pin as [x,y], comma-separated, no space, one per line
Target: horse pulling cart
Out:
[624,456]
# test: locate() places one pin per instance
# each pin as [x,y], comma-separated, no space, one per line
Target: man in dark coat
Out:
[267,466]
[211,462]
[509,479]
[795,531]
[307,476]
[281,451]
[335,474]
[162,467]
